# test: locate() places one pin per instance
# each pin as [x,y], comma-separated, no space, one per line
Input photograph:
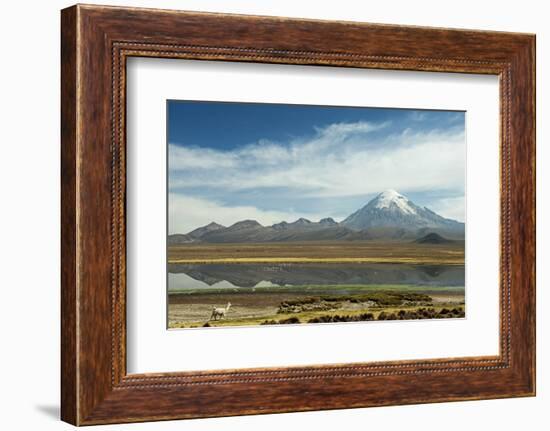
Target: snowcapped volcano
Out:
[391,199]
[390,215]
[392,209]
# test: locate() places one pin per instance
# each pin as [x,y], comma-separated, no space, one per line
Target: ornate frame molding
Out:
[96,41]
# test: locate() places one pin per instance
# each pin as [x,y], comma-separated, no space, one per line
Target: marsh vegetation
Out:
[278,283]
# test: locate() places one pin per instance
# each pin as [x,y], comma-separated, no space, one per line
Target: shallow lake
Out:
[183,277]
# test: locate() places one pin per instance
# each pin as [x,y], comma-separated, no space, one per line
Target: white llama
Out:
[220,312]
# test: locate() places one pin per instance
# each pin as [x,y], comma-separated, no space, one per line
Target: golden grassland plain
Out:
[319,252]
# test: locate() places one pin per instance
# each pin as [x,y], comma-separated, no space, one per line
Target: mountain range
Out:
[389,215]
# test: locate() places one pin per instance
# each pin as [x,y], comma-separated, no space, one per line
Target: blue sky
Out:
[274,162]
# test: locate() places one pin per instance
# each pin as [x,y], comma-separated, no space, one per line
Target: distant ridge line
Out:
[389,215]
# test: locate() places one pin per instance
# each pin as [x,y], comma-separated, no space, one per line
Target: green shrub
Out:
[342,318]
[269,322]
[290,320]
[299,301]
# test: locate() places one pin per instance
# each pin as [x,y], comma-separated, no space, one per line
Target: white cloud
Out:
[417,115]
[187,213]
[182,158]
[341,160]
[454,208]
[266,153]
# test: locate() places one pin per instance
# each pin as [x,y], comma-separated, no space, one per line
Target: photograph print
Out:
[304,214]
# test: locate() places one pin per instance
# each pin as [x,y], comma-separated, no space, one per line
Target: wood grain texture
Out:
[69,397]
[96,41]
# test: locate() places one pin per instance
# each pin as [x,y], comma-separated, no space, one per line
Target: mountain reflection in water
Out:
[187,276]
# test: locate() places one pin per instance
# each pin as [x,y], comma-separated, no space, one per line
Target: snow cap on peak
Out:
[390,197]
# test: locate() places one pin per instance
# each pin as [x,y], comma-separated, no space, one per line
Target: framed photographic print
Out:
[306,235]
[286,207]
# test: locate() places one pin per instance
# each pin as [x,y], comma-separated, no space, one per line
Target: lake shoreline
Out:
[255,307]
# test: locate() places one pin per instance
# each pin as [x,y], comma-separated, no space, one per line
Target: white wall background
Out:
[29,215]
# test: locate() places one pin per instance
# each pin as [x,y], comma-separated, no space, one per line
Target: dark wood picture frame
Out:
[95,43]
